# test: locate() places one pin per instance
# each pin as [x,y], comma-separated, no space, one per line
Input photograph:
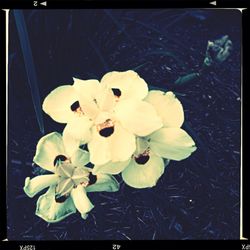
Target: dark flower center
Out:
[61,199]
[116,92]
[142,159]
[92,179]
[106,128]
[75,106]
[106,132]
[59,158]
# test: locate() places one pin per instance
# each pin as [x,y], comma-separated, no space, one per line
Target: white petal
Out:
[111,167]
[122,144]
[99,149]
[104,116]
[71,144]
[129,83]
[172,143]
[87,91]
[117,147]
[64,186]
[51,211]
[105,99]
[139,117]
[168,107]
[38,183]
[65,169]
[86,87]
[81,176]
[104,182]
[58,103]
[75,133]
[143,176]
[80,158]
[81,200]
[47,149]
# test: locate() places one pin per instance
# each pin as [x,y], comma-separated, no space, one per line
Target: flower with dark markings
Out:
[106,115]
[171,142]
[69,182]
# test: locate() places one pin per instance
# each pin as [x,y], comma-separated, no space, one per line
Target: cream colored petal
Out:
[64,186]
[80,158]
[138,117]
[81,176]
[144,176]
[122,144]
[71,144]
[86,87]
[128,82]
[48,148]
[81,200]
[168,107]
[35,185]
[99,149]
[51,211]
[87,91]
[117,147]
[58,103]
[172,143]
[75,133]
[111,167]
[64,169]
[104,183]
[105,99]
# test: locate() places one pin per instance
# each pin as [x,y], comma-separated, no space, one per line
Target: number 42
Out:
[116,247]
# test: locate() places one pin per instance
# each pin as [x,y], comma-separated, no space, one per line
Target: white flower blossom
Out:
[68,183]
[106,115]
[171,142]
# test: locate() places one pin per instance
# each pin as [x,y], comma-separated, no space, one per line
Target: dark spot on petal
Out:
[60,158]
[106,132]
[92,179]
[61,199]
[75,106]
[84,147]
[116,92]
[89,165]
[142,159]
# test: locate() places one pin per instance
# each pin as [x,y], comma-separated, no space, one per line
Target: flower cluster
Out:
[124,128]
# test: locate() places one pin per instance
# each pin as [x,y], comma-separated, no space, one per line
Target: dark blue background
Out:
[197,198]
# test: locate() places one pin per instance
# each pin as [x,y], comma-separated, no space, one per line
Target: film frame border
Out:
[116,245]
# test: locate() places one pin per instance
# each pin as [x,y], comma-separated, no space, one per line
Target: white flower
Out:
[68,184]
[168,107]
[106,115]
[170,142]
